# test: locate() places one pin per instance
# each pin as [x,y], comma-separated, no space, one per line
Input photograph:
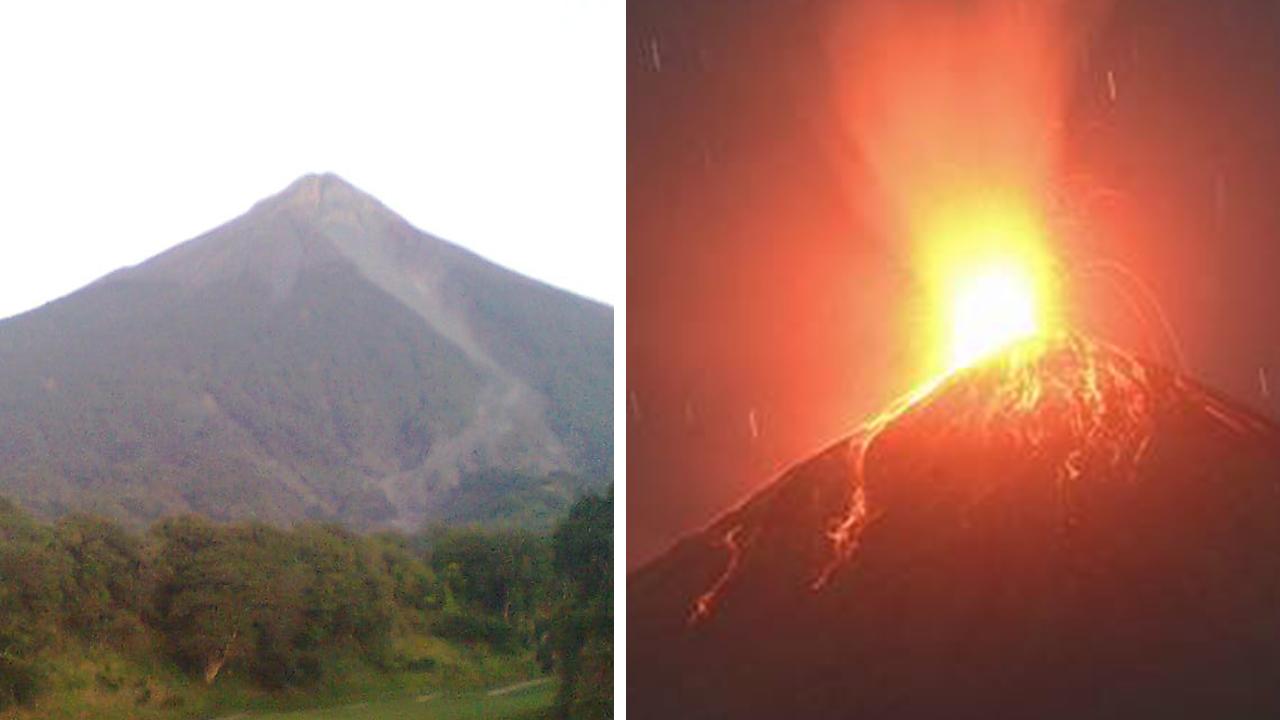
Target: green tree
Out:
[348,598]
[414,584]
[499,572]
[270,603]
[582,624]
[494,580]
[201,594]
[32,572]
[104,590]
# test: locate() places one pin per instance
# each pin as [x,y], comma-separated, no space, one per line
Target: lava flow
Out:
[1067,400]
[1060,512]
[1078,410]
[704,603]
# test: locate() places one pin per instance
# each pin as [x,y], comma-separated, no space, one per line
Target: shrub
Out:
[19,681]
[473,628]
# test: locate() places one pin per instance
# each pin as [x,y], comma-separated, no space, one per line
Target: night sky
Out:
[770,307]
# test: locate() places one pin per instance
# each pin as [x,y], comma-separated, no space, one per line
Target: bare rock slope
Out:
[317,357]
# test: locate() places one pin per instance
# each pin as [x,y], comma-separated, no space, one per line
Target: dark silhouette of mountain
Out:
[317,357]
[1061,531]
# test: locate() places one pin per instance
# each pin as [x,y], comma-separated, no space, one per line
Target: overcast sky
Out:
[127,128]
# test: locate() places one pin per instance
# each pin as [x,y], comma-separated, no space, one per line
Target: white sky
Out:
[126,128]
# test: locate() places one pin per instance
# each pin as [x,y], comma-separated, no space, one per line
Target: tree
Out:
[492,572]
[582,625]
[348,597]
[414,585]
[203,584]
[31,578]
[583,545]
[273,603]
[103,592]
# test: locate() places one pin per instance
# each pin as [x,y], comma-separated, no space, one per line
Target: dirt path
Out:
[518,686]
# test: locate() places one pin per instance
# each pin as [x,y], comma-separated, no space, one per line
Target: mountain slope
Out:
[1062,531]
[316,357]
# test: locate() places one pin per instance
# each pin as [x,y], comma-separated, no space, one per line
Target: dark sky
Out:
[770,311]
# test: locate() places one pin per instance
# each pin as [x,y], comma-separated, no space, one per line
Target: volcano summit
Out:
[317,357]
[1062,530]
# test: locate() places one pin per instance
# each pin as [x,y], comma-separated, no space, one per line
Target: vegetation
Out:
[196,616]
[513,703]
[513,499]
[583,623]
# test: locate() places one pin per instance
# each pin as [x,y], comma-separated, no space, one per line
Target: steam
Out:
[952,98]
[955,109]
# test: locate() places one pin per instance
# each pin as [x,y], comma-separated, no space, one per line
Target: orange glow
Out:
[988,274]
[955,109]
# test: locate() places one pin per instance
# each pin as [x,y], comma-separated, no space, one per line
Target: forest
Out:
[193,615]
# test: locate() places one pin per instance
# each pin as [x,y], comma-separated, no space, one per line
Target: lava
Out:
[991,309]
[1093,401]
[845,534]
[1084,406]
[1094,511]
[703,605]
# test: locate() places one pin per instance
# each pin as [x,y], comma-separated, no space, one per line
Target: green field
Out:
[526,701]
[101,684]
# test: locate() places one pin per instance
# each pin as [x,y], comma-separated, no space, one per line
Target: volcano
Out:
[1062,530]
[317,357]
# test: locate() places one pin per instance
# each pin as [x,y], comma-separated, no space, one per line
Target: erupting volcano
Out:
[1057,530]
[1054,528]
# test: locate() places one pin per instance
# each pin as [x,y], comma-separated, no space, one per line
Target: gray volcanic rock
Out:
[317,357]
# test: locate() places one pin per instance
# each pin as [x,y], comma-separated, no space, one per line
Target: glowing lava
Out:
[991,310]
[957,112]
[1072,413]
[704,603]
[987,268]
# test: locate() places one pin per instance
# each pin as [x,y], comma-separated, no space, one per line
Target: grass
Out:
[83,683]
[527,703]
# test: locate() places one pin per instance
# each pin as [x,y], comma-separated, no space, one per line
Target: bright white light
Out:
[991,309]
